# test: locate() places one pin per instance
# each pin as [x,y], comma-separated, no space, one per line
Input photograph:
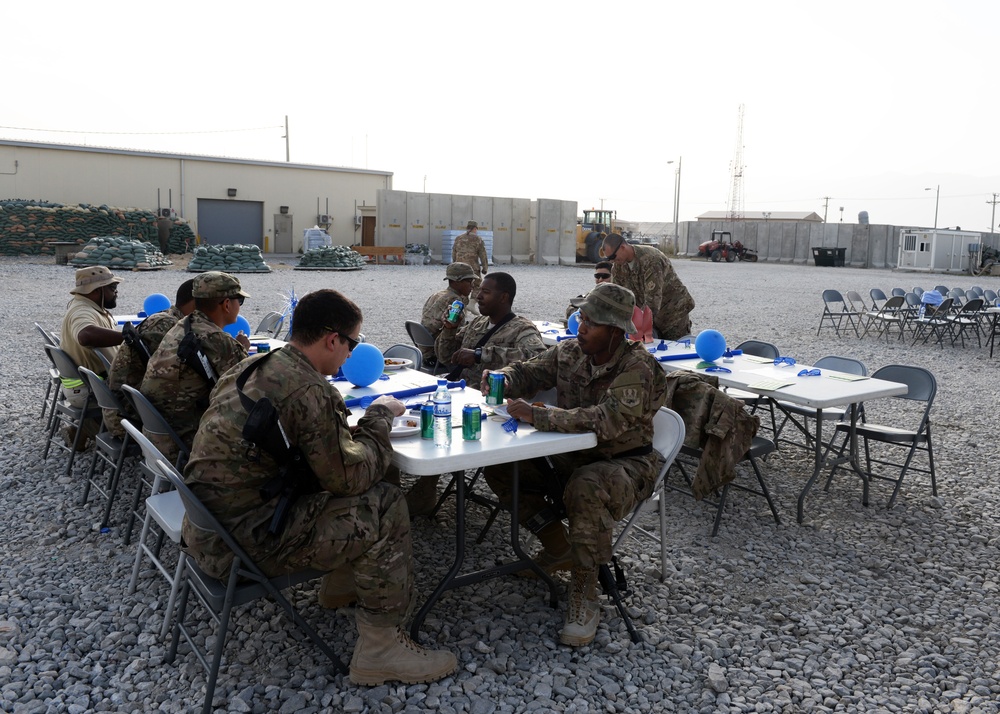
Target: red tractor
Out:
[722,247]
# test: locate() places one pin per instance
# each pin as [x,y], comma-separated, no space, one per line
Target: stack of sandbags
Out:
[332,257]
[181,238]
[119,254]
[27,227]
[228,259]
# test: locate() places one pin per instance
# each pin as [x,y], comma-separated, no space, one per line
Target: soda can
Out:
[494,393]
[263,347]
[427,421]
[455,311]
[472,427]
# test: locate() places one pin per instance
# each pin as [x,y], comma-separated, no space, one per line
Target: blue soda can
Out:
[455,311]
[427,420]
[494,392]
[472,426]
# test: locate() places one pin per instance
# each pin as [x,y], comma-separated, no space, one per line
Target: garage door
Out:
[231,222]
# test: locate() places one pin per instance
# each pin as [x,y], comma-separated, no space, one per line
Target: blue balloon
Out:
[710,344]
[240,324]
[365,365]
[573,323]
[157,302]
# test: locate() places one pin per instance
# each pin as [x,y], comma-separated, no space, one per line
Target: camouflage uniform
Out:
[518,340]
[653,280]
[435,309]
[470,249]
[177,391]
[617,401]
[357,520]
[128,367]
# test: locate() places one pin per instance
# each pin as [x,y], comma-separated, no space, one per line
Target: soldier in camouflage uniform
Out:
[647,272]
[459,277]
[608,385]
[470,249]
[129,365]
[354,525]
[175,388]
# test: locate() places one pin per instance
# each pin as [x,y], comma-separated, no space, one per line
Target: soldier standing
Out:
[351,523]
[469,248]
[613,387]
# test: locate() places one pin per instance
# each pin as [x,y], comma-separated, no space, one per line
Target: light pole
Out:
[677,202]
[937,201]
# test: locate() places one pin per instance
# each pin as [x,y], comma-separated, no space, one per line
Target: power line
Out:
[141,133]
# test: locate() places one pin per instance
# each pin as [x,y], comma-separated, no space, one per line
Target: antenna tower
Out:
[736,175]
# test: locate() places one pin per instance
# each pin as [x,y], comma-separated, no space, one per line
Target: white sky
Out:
[866,102]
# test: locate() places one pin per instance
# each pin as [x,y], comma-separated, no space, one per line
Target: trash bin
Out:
[829,257]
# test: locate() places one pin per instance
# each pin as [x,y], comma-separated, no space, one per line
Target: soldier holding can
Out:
[608,385]
[459,277]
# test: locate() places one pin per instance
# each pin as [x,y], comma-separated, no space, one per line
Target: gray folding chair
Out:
[245,583]
[922,388]
[54,382]
[66,414]
[835,311]
[423,339]
[271,325]
[406,352]
[888,316]
[757,348]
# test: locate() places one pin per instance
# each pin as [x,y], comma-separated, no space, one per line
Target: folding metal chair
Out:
[970,316]
[271,325]
[897,291]
[835,311]
[65,413]
[922,388]
[109,450]
[934,322]
[423,339]
[49,339]
[406,352]
[754,401]
[245,583]
[889,315]
[877,296]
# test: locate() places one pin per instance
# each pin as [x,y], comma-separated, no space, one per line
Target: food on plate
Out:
[409,423]
[395,361]
[538,404]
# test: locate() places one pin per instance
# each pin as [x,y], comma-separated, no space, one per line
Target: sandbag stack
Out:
[229,259]
[332,257]
[28,227]
[181,238]
[119,254]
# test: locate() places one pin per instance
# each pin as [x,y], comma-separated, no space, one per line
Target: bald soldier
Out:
[647,272]
[608,385]
[342,517]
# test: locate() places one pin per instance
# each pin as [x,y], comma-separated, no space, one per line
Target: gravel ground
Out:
[856,610]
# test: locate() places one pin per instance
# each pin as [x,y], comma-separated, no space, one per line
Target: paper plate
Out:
[394,363]
[405,425]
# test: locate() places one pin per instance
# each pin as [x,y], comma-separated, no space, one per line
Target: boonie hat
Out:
[215,284]
[472,224]
[91,278]
[608,304]
[460,271]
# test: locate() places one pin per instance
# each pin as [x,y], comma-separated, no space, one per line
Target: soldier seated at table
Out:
[608,385]
[459,277]
[342,516]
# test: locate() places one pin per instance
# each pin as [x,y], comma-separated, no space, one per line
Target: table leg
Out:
[817,465]
[854,454]
[993,332]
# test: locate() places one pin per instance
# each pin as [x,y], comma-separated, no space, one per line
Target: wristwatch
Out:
[479,355]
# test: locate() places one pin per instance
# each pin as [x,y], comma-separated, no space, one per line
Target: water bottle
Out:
[442,415]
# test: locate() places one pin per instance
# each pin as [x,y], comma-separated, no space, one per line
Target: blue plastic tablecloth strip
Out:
[671,358]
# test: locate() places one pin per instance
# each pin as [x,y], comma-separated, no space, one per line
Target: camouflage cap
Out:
[89,279]
[472,224]
[608,304]
[215,284]
[460,271]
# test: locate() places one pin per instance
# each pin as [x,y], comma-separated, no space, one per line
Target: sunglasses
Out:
[238,298]
[602,276]
[613,253]
[351,343]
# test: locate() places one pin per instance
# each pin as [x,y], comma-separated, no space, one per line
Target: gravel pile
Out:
[856,610]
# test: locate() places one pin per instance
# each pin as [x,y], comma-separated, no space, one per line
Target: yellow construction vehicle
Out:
[590,234]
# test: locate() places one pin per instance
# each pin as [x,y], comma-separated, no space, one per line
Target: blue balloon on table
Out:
[157,302]
[709,345]
[365,365]
[573,323]
[241,324]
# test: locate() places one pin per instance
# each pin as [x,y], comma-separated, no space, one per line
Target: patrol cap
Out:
[472,224]
[460,271]
[91,278]
[215,284]
[608,304]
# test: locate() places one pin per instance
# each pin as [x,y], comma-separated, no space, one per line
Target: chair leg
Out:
[115,481]
[172,599]
[140,547]
[90,476]
[718,510]
[613,586]
[764,490]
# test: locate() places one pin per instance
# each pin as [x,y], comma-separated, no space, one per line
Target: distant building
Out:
[764,216]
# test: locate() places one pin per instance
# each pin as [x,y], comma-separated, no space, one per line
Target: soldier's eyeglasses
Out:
[351,343]
[602,276]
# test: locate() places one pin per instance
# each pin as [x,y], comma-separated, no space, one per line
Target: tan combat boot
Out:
[423,496]
[388,654]
[555,554]
[337,589]
[584,612]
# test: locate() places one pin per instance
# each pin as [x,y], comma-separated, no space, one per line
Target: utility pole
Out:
[285,137]
[993,217]
[602,203]
[826,205]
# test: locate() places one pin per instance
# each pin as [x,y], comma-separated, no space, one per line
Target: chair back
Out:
[668,435]
[990,296]
[842,364]
[892,304]
[912,300]
[918,290]
[47,337]
[898,291]
[921,385]
[940,311]
[877,296]
[153,421]
[957,295]
[420,335]
[406,352]
[101,391]
[971,308]
[759,349]
[150,454]
[941,289]
[271,324]
[67,368]
[834,296]
[977,290]
[972,294]
[857,302]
